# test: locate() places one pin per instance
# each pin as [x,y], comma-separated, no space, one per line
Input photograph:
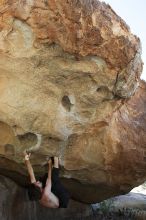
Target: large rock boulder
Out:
[70,86]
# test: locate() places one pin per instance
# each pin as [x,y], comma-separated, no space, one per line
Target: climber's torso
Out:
[49,200]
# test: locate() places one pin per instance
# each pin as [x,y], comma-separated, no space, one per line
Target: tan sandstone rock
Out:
[70,86]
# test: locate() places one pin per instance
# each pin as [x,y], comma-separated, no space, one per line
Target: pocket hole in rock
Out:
[66,103]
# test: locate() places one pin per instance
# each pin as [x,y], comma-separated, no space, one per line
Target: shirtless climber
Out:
[49,190]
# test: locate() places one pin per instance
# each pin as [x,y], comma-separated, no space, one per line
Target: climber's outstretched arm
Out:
[49,199]
[29,167]
[49,181]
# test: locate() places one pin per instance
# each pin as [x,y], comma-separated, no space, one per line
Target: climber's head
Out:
[35,191]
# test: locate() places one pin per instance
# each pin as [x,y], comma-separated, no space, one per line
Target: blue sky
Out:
[133,13]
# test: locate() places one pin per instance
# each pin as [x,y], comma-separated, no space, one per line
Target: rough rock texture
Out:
[70,86]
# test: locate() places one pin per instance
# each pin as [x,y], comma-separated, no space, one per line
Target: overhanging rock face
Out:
[70,86]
